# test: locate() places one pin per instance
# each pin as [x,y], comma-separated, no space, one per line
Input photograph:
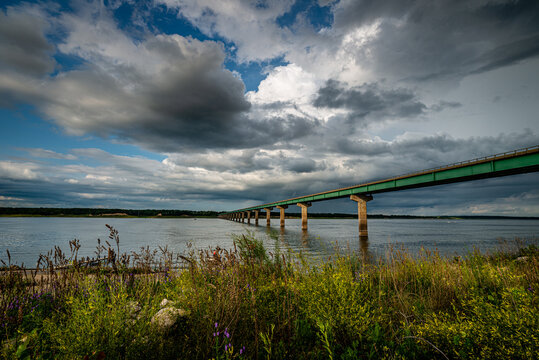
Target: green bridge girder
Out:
[509,163]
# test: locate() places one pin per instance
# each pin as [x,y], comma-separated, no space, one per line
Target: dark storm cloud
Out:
[300,165]
[167,93]
[369,99]
[421,39]
[440,148]
[23,46]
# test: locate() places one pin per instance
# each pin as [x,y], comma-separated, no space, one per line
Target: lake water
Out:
[26,238]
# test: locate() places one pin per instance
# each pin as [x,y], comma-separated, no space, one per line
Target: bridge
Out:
[509,163]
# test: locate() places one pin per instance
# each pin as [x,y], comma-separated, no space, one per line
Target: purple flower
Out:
[226,347]
[216,325]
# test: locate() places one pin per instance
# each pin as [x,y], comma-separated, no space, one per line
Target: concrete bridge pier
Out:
[281,209]
[304,207]
[268,215]
[256,217]
[242,217]
[249,217]
[362,213]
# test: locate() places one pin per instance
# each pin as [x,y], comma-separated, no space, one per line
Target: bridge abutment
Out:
[362,213]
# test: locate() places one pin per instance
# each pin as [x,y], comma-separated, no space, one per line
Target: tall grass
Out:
[248,303]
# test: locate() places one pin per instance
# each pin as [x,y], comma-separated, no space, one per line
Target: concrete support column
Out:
[242,217]
[304,207]
[268,216]
[282,208]
[256,217]
[362,213]
[249,217]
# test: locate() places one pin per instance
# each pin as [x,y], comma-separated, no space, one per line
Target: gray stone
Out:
[168,318]
[167,303]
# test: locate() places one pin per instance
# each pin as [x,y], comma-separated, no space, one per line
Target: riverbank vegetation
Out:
[251,303]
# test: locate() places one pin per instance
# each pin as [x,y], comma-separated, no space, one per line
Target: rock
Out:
[168,318]
[167,303]
[133,308]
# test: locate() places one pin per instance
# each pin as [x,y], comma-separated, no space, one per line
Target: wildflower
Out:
[216,325]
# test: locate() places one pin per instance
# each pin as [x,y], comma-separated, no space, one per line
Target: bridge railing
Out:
[527,150]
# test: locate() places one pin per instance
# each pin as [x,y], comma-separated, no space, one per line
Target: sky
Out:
[219,105]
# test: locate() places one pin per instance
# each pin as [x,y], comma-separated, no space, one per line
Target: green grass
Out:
[275,306]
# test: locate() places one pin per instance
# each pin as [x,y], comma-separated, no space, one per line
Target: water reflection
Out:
[364,248]
[26,238]
[304,238]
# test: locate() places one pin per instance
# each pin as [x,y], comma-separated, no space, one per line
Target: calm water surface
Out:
[26,238]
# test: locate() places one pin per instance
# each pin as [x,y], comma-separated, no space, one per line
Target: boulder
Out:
[169,318]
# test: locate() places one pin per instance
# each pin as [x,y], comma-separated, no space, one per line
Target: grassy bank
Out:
[249,303]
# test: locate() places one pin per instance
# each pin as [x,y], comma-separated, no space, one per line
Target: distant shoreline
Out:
[188,214]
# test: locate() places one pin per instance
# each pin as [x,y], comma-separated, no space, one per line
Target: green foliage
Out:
[250,248]
[253,304]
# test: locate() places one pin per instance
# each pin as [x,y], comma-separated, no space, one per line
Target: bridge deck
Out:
[508,163]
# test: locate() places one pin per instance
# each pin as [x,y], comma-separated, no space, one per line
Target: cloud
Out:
[250,25]
[370,100]
[166,92]
[420,40]
[442,105]
[9,198]
[49,154]
[301,165]
[23,45]
[17,171]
